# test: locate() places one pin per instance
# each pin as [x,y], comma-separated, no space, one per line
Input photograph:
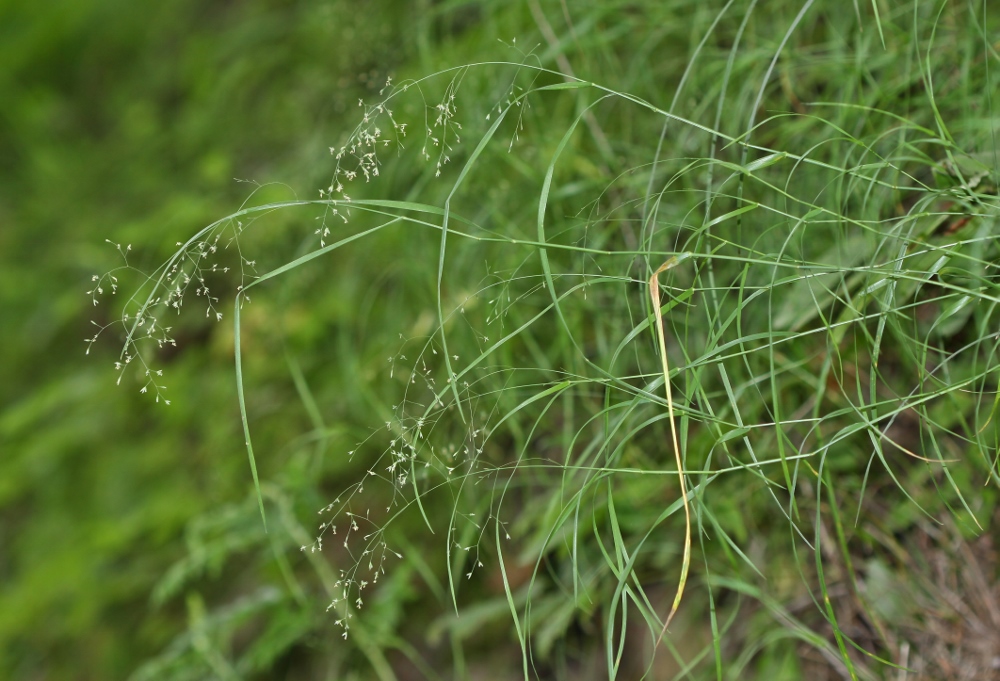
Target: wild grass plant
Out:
[663,364]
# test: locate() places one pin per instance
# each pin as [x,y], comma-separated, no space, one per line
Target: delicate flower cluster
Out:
[186,270]
[445,127]
[378,129]
[407,464]
[108,279]
[352,585]
[358,157]
[190,270]
[368,565]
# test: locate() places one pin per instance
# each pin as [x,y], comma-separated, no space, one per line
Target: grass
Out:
[552,456]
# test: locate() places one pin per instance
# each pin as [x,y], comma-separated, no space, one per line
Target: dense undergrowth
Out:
[450,374]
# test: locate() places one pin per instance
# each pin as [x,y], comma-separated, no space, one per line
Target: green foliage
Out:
[448,371]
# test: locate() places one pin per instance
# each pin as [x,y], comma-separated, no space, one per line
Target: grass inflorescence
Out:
[733,341]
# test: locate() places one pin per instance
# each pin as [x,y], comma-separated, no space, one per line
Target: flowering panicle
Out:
[406,463]
[188,270]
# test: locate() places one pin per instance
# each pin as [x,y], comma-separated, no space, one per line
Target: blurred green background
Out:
[130,541]
[129,121]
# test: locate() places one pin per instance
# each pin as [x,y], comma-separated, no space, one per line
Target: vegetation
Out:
[620,340]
